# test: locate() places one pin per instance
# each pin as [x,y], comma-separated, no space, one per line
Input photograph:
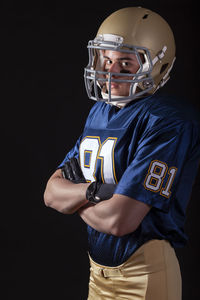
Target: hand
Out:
[72,171]
[97,192]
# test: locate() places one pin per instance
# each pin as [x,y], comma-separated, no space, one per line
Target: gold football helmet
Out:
[141,32]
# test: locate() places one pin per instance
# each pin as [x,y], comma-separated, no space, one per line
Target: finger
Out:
[67,171]
[76,169]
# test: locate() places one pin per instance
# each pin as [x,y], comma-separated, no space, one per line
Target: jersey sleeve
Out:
[164,165]
[74,152]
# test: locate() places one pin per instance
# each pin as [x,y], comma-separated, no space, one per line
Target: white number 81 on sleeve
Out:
[156,174]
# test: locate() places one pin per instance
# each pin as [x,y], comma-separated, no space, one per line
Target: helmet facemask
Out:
[98,80]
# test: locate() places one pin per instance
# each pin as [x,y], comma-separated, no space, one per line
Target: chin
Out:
[116,92]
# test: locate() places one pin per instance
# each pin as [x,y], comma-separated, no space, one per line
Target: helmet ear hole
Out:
[145,16]
[163,68]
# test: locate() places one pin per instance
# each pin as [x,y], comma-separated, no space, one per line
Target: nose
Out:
[115,68]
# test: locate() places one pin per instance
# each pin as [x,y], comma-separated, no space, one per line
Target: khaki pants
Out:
[151,273]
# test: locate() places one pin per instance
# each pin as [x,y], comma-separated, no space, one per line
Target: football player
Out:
[130,174]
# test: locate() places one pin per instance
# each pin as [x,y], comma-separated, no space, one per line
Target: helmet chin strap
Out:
[119,104]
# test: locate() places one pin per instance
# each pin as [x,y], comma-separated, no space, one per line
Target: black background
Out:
[43,109]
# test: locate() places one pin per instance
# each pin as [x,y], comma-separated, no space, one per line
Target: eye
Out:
[125,64]
[108,62]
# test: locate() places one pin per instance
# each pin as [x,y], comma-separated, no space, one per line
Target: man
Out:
[130,174]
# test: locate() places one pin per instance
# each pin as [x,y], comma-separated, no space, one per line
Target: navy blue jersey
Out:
[151,150]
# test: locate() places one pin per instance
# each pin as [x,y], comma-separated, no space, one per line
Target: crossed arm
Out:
[118,216]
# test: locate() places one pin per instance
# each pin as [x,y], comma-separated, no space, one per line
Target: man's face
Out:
[120,62]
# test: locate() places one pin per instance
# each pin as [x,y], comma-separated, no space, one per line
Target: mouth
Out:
[114,85]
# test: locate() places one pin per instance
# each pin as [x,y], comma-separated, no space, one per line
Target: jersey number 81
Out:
[156,175]
[91,149]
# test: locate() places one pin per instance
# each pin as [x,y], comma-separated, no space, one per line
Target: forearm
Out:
[120,215]
[63,195]
[98,216]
